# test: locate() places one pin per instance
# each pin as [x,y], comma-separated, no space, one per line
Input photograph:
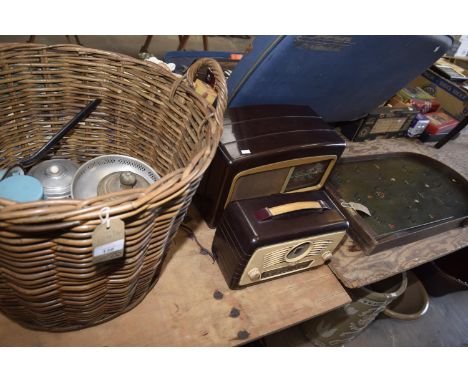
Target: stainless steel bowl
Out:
[86,180]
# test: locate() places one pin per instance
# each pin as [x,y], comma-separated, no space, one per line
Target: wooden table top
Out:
[353,268]
[181,310]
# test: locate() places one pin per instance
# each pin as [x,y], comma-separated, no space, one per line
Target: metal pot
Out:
[342,325]
[13,171]
[412,304]
[55,176]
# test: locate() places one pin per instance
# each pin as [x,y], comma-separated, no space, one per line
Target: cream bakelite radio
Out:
[265,150]
[264,238]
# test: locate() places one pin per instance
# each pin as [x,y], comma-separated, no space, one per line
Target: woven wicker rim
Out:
[67,213]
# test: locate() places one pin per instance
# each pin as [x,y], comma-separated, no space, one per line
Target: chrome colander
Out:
[86,180]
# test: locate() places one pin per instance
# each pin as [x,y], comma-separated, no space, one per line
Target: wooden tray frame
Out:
[366,237]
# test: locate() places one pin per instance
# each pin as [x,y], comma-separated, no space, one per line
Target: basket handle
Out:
[220,83]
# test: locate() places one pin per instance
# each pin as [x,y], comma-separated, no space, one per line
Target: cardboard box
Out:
[460,64]
[463,48]
[396,102]
[418,125]
[418,98]
[452,97]
[440,123]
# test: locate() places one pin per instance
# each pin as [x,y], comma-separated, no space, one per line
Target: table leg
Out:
[205,42]
[146,45]
[182,42]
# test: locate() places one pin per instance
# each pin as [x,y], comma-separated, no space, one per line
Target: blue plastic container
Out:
[21,188]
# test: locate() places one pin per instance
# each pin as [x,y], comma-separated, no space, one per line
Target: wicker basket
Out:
[47,278]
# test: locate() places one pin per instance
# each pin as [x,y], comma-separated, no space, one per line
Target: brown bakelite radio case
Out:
[265,238]
[265,150]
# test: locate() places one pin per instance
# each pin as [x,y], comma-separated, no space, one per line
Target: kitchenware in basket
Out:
[109,173]
[55,176]
[42,152]
[50,281]
[121,180]
[21,188]
[13,171]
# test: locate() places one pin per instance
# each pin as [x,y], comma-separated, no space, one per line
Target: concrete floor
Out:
[444,324]
[130,45]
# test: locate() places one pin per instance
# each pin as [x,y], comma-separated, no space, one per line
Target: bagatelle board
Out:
[409,196]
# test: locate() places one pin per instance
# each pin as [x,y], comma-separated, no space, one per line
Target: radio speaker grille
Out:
[260,184]
[277,257]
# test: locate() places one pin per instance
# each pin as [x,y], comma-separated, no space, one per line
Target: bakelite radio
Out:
[265,150]
[265,238]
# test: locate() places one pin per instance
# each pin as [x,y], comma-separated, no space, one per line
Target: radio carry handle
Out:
[283,209]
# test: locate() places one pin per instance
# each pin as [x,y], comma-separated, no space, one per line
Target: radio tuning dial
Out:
[254,274]
[326,256]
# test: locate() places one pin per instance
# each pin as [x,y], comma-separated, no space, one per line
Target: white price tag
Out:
[109,248]
[356,207]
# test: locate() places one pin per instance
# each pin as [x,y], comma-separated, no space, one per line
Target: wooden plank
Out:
[181,310]
[354,268]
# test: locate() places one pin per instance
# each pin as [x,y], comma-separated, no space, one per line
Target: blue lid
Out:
[21,188]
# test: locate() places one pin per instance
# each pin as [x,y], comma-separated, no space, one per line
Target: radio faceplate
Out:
[271,261]
[295,175]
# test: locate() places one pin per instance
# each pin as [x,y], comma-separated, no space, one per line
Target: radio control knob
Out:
[326,256]
[254,274]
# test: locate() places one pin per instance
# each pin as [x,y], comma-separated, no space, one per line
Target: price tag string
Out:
[108,240]
[104,216]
